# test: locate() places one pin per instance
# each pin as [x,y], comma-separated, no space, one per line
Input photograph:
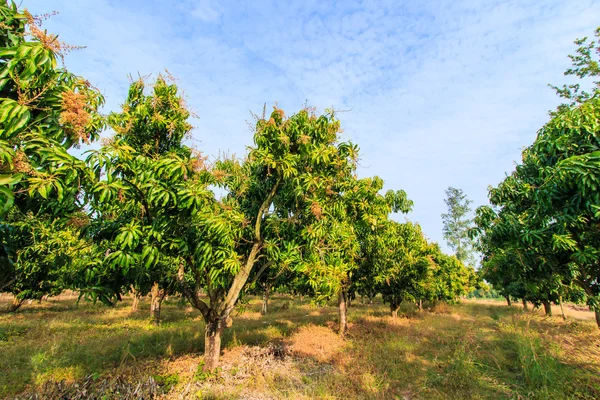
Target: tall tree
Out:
[137,171]
[279,207]
[397,263]
[585,67]
[366,210]
[549,215]
[457,222]
[44,111]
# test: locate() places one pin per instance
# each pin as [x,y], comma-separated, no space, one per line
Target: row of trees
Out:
[140,214]
[541,236]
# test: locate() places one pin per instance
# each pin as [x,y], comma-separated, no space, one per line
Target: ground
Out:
[475,349]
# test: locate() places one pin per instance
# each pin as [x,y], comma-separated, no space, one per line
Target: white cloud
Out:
[442,92]
[204,10]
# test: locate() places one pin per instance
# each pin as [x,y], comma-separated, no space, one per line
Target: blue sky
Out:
[440,93]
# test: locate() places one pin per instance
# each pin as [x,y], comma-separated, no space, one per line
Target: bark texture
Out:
[135,297]
[14,306]
[343,308]
[212,344]
[524,304]
[547,308]
[265,300]
[158,295]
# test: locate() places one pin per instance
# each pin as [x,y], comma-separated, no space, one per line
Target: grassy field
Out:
[477,349]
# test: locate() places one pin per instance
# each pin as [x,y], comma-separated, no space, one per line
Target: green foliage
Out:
[140,184]
[201,375]
[400,267]
[484,294]
[166,382]
[400,264]
[545,236]
[457,223]
[452,279]
[281,206]
[48,252]
[44,111]
[586,64]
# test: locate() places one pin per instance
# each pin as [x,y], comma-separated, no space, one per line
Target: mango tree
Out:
[397,263]
[50,253]
[516,261]
[271,213]
[269,277]
[367,211]
[44,111]
[137,171]
[553,195]
[451,277]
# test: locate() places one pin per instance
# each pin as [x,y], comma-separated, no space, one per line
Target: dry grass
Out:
[477,349]
[317,342]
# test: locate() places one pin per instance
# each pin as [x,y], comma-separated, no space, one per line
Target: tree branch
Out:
[242,276]
[264,208]
[260,272]
[142,198]
[190,294]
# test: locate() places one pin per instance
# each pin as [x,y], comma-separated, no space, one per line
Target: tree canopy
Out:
[457,222]
[542,237]
[44,111]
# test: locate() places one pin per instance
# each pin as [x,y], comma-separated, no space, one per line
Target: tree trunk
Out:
[370,299]
[135,294]
[394,307]
[14,306]
[217,316]
[158,296]
[348,301]
[524,304]
[342,310]
[562,311]
[508,301]
[265,300]
[597,312]
[212,345]
[420,304]
[547,308]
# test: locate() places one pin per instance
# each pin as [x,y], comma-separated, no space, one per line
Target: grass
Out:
[476,349]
